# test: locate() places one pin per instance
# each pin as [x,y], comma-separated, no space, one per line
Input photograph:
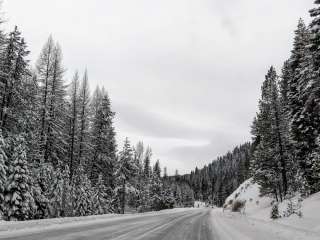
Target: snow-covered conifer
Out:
[18,198]
[82,194]
[103,158]
[3,171]
[84,120]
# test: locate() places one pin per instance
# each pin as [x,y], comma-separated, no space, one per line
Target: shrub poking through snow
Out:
[293,207]
[275,211]
[238,205]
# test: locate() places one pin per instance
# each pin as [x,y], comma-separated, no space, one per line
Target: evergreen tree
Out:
[3,170]
[306,121]
[157,169]
[44,72]
[18,198]
[102,198]
[14,69]
[82,194]
[156,192]
[73,120]
[55,148]
[126,171]
[270,164]
[59,193]
[83,119]
[53,107]
[103,140]
[146,163]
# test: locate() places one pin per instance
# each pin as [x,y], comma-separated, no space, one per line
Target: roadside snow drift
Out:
[259,208]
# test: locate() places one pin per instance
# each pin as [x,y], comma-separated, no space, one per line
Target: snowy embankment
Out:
[259,209]
[60,223]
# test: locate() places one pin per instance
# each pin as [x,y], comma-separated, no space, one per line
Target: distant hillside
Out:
[216,181]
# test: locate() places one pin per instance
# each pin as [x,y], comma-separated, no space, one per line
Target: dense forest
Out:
[59,155]
[215,182]
[58,152]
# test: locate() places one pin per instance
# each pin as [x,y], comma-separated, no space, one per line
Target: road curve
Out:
[170,225]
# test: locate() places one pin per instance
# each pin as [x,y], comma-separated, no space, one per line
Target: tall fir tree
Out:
[157,169]
[84,121]
[82,194]
[18,197]
[103,140]
[44,72]
[269,165]
[14,69]
[308,118]
[3,172]
[55,146]
[146,163]
[73,122]
[127,169]
[53,106]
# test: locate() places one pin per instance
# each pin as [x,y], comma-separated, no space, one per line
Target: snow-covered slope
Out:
[260,208]
[255,204]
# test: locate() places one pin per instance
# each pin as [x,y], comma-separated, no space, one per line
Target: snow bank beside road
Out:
[260,208]
[234,226]
[255,205]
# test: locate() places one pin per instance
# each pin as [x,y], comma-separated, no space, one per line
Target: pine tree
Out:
[44,179]
[306,121]
[30,118]
[103,140]
[270,164]
[139,181]
[59,193]
[298,77]
[55,147]
[315,166]
[53,107]
[3,170]
[156,192]
[83,119]
[146,163]
[126,171]
[44,72]
[73,119]
[82,194]
[14,69]
[102,198]
[157,169]
[18,198]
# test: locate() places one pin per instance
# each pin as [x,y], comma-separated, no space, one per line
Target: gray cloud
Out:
[152,124]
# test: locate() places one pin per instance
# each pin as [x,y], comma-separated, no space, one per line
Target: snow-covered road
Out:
[182,224]
[178,224]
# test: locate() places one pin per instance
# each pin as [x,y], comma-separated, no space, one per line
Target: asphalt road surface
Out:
[176,225]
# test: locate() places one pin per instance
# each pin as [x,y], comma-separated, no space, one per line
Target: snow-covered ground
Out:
[235,226]
[258,209]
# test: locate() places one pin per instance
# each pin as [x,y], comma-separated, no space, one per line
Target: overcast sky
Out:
[184,76]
